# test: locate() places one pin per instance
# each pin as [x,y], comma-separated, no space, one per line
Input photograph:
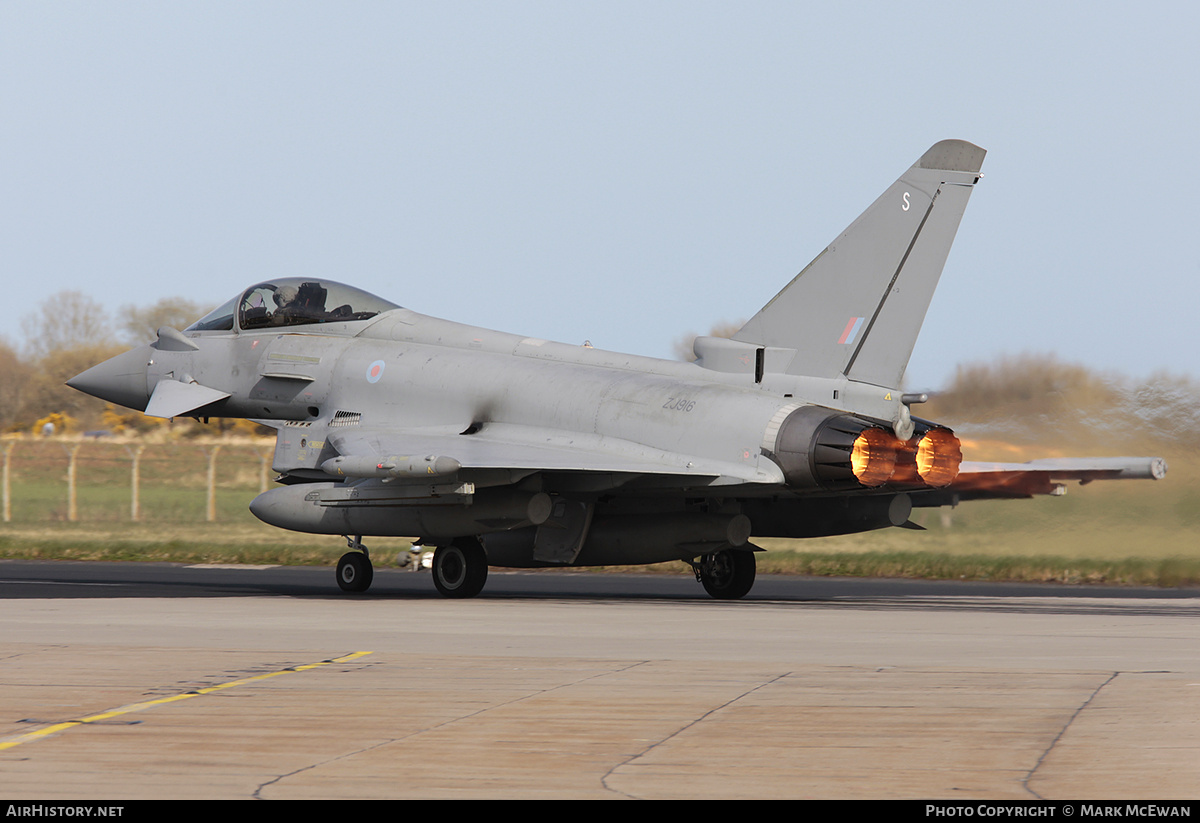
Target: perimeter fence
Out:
[102,480]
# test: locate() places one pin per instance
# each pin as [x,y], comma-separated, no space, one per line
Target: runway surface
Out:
[126,681]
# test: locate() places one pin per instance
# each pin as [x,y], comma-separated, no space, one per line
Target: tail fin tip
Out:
[855,311]
[953,155]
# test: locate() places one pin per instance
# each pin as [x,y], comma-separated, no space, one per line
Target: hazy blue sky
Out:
[622,172]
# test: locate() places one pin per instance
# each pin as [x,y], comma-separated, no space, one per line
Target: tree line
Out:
[69,333]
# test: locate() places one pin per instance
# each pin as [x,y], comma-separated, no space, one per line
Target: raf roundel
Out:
[375,371]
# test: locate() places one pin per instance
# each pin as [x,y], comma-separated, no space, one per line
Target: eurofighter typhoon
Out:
[502,450]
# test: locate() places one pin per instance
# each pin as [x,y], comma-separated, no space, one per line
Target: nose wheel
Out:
[354,569]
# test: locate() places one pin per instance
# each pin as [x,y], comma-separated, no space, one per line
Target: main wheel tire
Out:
[355,572]
[460,569]
[727,575]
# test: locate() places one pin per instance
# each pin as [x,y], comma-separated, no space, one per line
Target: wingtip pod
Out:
[1047,476]
[1103,468]
[953,155]
[1158,468]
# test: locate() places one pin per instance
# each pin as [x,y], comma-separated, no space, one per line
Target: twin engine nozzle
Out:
[931,458]
[821,448]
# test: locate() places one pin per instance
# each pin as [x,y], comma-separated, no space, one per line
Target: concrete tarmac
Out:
[951,695]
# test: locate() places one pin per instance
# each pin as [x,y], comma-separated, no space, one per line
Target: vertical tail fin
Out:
[856,309]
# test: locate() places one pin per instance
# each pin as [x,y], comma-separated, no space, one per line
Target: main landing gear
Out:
[726,575]
[354,569]
[460,569]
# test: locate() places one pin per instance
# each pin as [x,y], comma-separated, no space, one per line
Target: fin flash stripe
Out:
[851,330]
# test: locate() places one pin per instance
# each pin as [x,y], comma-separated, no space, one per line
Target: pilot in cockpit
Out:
[296,302]
[305,304]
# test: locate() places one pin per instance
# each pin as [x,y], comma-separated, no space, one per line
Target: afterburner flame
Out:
[874,457]
[938,455]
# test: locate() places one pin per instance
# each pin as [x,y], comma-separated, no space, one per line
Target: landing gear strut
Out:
[460,569]
[726,575]
[354,569]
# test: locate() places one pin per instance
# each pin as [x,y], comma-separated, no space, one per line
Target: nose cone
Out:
[121,380]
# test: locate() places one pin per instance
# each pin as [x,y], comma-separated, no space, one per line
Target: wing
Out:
[367,452]
[1011,480]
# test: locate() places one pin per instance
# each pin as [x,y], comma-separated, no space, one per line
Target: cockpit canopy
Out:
[292,301]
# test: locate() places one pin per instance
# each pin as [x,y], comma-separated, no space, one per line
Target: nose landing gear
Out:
[354,569]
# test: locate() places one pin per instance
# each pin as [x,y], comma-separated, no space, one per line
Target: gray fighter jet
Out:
[505,450]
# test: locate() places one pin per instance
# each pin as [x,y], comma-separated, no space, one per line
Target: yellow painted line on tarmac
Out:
[17,740]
